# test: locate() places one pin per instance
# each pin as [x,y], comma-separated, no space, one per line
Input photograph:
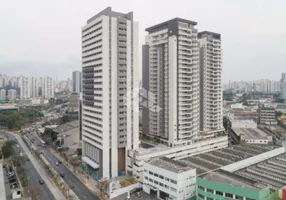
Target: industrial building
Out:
[262,177]
[267,116]
[252,135]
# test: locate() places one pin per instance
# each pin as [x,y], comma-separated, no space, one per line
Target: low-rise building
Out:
[169,179]
[136,158]
[252,136]
[243,124]
[267,115]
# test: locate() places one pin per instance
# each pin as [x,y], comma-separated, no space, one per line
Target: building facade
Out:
[3,94]
[210,82]
[12,94]
[172,54]
[169,179]
[76,81]
[110,114]
[267,115]
[25,90]
[283,85]
[47,87]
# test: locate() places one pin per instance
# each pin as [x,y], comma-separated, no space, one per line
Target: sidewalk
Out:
[54,190]
[90,183]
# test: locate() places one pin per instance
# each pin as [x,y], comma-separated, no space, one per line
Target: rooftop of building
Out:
[233,179]
[206,33]
[166,23]
[67,127]
[170,165]
[271,172]
[250,133]
[108,12]
[216,159]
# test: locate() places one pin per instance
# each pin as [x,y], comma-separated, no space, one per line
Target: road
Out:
[33,175]
[71,180]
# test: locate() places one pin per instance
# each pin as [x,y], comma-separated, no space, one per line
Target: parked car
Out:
[41,182]
[60,162]
[57,163]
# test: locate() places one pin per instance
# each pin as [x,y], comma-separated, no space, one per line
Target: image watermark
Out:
[145,99]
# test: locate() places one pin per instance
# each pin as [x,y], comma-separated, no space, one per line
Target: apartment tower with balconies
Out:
[110,114]
[211,118]
[171,76]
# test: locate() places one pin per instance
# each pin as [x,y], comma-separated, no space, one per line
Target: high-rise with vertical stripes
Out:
[110,114]
[171,76]
[210,82]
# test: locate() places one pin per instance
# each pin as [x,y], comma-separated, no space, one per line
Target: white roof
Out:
[90,162]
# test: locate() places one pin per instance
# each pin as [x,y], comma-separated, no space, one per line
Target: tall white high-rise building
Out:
[110,114]
[47,87]
[12,94]
[25,89]
[76,81]
[210,82]
[171,62]
[3,94]
[34,87]
[283,85]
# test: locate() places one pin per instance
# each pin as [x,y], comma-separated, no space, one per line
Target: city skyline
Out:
[257,48]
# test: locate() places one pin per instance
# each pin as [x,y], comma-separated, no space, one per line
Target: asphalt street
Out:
[71,180]
[33,175]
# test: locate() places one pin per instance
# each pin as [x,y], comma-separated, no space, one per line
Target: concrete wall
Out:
[120,191]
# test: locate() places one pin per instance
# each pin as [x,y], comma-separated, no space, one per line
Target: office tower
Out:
[12,94]
[173,66]
[283,85]
[109,76]
[210,81]
[76,81]
[25,90]
[47,87]
[3,94]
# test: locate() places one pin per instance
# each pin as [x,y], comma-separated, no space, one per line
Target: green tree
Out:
[279,114]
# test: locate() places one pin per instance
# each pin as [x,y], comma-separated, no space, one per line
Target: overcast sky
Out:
[40,37]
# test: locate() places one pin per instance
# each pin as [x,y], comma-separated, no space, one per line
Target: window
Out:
[249,199]
[151,173]
[201,188]
[161,177]
[161,184]
[151,180]
[166,186]
[167,179]
[210,198]
[156,175]
[219,193]
[173,181]
[146,178]
[156,182]
[210,191]
[201,196]
[238,197]
[229,195]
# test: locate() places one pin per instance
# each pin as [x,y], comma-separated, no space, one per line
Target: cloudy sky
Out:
[44,37]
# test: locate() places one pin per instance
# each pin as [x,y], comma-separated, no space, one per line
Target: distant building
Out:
[73,103]
[76,81]
[12,94]
[267,115]
[3,94]
[47,85]
[283,85]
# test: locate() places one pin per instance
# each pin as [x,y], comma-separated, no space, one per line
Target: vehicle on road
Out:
[57,163]
[62,174]
[42,143]
[41,182]
[60,162]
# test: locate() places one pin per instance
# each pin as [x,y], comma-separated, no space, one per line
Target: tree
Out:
[33,192]
[279,114]
[74,162]
[103,186]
